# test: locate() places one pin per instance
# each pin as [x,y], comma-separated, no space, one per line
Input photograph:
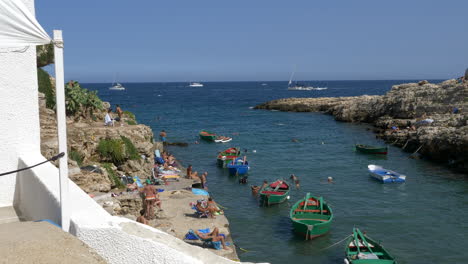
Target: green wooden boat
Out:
[311,217]
[274,193]
[371,149]
[360,249]
[226,156]
[207,135]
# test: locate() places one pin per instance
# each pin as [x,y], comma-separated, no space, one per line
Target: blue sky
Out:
[240,40]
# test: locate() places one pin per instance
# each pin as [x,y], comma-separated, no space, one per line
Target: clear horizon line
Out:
[434,79]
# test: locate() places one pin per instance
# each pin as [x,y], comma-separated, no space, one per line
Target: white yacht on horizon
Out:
[196,84]
[116,86]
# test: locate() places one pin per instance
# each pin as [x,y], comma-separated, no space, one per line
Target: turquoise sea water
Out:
[421,221]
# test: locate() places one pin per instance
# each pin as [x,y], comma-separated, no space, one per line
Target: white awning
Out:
[18,27]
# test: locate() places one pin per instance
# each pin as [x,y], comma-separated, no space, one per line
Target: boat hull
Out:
[207,136]
[372,150]
[316,230]
[238,170]
[269,199]
[274,194]
[311,220]
[379,255]
[384,175]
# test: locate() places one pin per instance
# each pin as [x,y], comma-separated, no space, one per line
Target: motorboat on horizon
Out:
[196,84]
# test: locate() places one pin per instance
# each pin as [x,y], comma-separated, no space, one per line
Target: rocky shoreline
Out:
[424,118]
[100,177]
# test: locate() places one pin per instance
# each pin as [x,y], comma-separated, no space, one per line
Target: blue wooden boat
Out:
[385,175]
[239,166]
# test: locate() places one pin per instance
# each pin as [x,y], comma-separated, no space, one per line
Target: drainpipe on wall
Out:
[61,129]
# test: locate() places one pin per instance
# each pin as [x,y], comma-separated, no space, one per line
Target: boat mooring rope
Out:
[335,243]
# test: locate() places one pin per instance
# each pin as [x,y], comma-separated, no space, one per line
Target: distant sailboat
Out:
[116,86]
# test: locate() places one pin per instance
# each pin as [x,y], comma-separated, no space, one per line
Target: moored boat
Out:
[371,149]
[360,249]
[227,156]
[274,193]
[238,166]
[222,139]
[311,217]
[385,175]
[207,135]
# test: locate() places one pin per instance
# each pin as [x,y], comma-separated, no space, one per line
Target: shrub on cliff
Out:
[81,101]
[46,87]
[44,55]
[117,151]
[116,182]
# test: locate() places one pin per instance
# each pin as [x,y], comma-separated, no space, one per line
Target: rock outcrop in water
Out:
[432,119]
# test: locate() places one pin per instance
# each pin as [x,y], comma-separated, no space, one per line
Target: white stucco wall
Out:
[117,239]
[19,119]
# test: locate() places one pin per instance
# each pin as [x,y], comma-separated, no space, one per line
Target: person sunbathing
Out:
[214,236]
[190,174]
[213,207]
[205,210]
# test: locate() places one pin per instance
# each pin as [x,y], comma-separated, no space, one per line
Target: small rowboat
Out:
[238,166]
[227,156]
[207,135]
[275,193]
[367,149]
[385,175]
[360,249]
[311,217]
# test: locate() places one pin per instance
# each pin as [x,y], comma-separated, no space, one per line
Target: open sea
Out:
[424,220]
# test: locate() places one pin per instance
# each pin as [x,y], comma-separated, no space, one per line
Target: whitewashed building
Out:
[35,194]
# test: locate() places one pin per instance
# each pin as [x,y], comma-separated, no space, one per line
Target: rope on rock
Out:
[417,150]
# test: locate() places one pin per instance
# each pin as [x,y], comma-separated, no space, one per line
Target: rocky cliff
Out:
[405,106]
[84,136]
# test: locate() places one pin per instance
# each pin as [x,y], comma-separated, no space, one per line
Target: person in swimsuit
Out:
[203,180]
[214,236]
[295,180]
[163,135]
[141,218]
[151,199]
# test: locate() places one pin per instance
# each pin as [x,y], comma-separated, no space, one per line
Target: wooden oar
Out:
[306,199]
[321,205]
[364,241]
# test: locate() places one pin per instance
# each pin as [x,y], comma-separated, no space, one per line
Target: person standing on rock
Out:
[203,180]
[119,112]
[163,135]
[151,199]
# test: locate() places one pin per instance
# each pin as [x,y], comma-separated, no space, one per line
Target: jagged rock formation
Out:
[84,134]
[445,140]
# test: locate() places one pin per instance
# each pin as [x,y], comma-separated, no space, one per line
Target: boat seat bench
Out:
[310,211]
[301,219]
[271,192]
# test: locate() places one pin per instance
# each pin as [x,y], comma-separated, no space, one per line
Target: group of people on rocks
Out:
[108,120]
